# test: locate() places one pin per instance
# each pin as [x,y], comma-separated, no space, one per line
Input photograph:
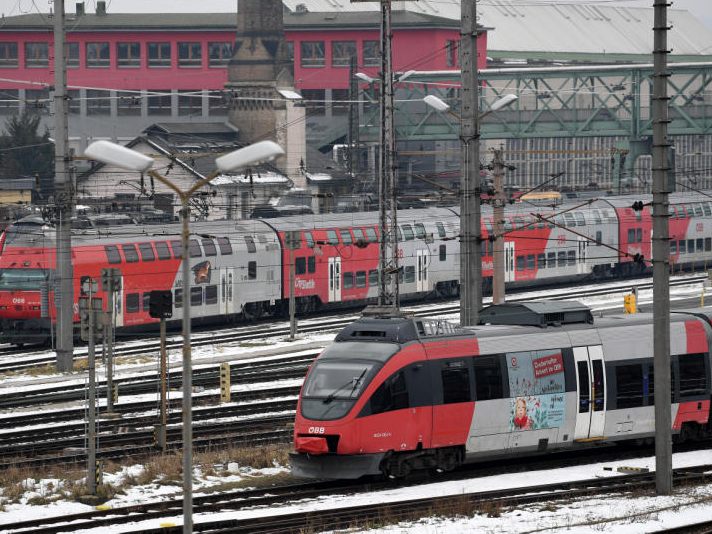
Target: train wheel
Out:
[448,460]
[397,469]
[252,311]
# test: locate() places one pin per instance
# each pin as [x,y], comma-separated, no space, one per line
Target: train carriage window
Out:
[583,387]
[251,270]
[690,246]
[521,263]
[399,234]
[443,252]
[629,386]
[391,395]
[371,235]
[209,247]
[346,237]
[196,296]
[708,244]
[162,250]
[358,235]
[631,235]
[681,246]
[211,294]
[146,304]
[112,254]
[571,257]
[194,250]
[441,229]
[409,274]
[373,277]
[671,212]
[693,376]
[531,264]
[597,217]
[178,298]
[580,219]
[638,235]
[541,261]
[569,218]
[251,248]
[483,248]
[681,213]
[130,253]
[698,210]
[455,377]
[700,244]
[348,280]
[706,209]
[599,237]
[561,259]
[551,260]
[300,265]
[146,251]
[518,223]
[360,278]
[309,238]
[488,378]
[311,264]
[599,393]
[224,246]
[507,225]
[132,302]
[177,247]
[673,247]
[332,237]
[419,230]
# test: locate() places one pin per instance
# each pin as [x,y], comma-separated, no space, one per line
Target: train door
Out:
[422,275]
[581,258]
[509,261]
[591,393]
[334,279]
[227,279]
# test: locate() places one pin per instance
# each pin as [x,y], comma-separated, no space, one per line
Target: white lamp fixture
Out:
[260,152]
[503,102]
[436,103]
[407,74]
[364,77]
[113,154]
[289,94]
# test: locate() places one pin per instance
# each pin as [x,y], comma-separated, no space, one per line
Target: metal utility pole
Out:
[498,226]
[353,140]
[661,251]
[88,305]
[64,198]
[292,240]
[109,336]
[163,423]
[470,190]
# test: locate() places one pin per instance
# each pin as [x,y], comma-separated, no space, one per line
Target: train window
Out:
[441,229]
[599,392]
[178,298]
[569,218]
[690,246]
[698,210]
[196,296]
[455,377]
[112,254]
[541,261]
[580,219]
[162,250]
[706,209]
[483,248]
[346,238]
[681,246]
[673,247]
[571,257]
[638,235]
[177,247]
[671,212]
[708,244]
[409,274]
[371,235]
[146,251]
[130,253]
[348,280]
[649,381]
[551,260]
[224,246]
[194,250]
[309,238]
[681,213]
[211,294]
[209,247]
[639,215]
[419,230]
[251,248]
[700,244]
[251,270]
[561,259]
[443,252]
[358,235]
[146,305]
[488,378]
[521,263]
[597,217]
[518,223]
[629,386]
[311,264]
[373,277]
[599,237]
[507,225]
[631,235]
[360,278]
[132,302]
[399,233]
[391,395]
[331,237]
[693,377]
[300,265]
[531,261]
[583,387]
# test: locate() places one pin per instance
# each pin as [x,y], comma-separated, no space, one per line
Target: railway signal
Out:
[160,306]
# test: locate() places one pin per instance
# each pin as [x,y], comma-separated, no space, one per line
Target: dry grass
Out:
[127,360]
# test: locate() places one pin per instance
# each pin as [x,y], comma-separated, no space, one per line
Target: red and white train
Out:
[241,268]
[392,395]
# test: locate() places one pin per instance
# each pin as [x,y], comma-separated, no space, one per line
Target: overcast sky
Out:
[701,8]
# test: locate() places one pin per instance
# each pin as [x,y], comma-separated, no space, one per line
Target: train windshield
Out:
[22,279]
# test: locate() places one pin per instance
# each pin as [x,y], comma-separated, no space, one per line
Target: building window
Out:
[190,55]
[128,104]
[8,55]
[160,103]
[36,55]
[190,103]
[451,53]
[128,54]
[219,54]
[371,53]
[314,101]
[159,55]
[342,52]
[290,51]
[97,55]
[72,55]
[340,104]
[37,99]
[9,101]
[312,53]
[217,103]
[98,102]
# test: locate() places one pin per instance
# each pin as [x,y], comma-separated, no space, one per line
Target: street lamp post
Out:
[126,158]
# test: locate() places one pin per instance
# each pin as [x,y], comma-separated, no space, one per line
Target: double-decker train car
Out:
[396,394]
[241,268]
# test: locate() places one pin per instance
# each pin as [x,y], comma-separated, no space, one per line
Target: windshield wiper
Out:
[353,382]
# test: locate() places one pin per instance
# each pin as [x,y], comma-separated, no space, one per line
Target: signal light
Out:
[160,304]
[637,205]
